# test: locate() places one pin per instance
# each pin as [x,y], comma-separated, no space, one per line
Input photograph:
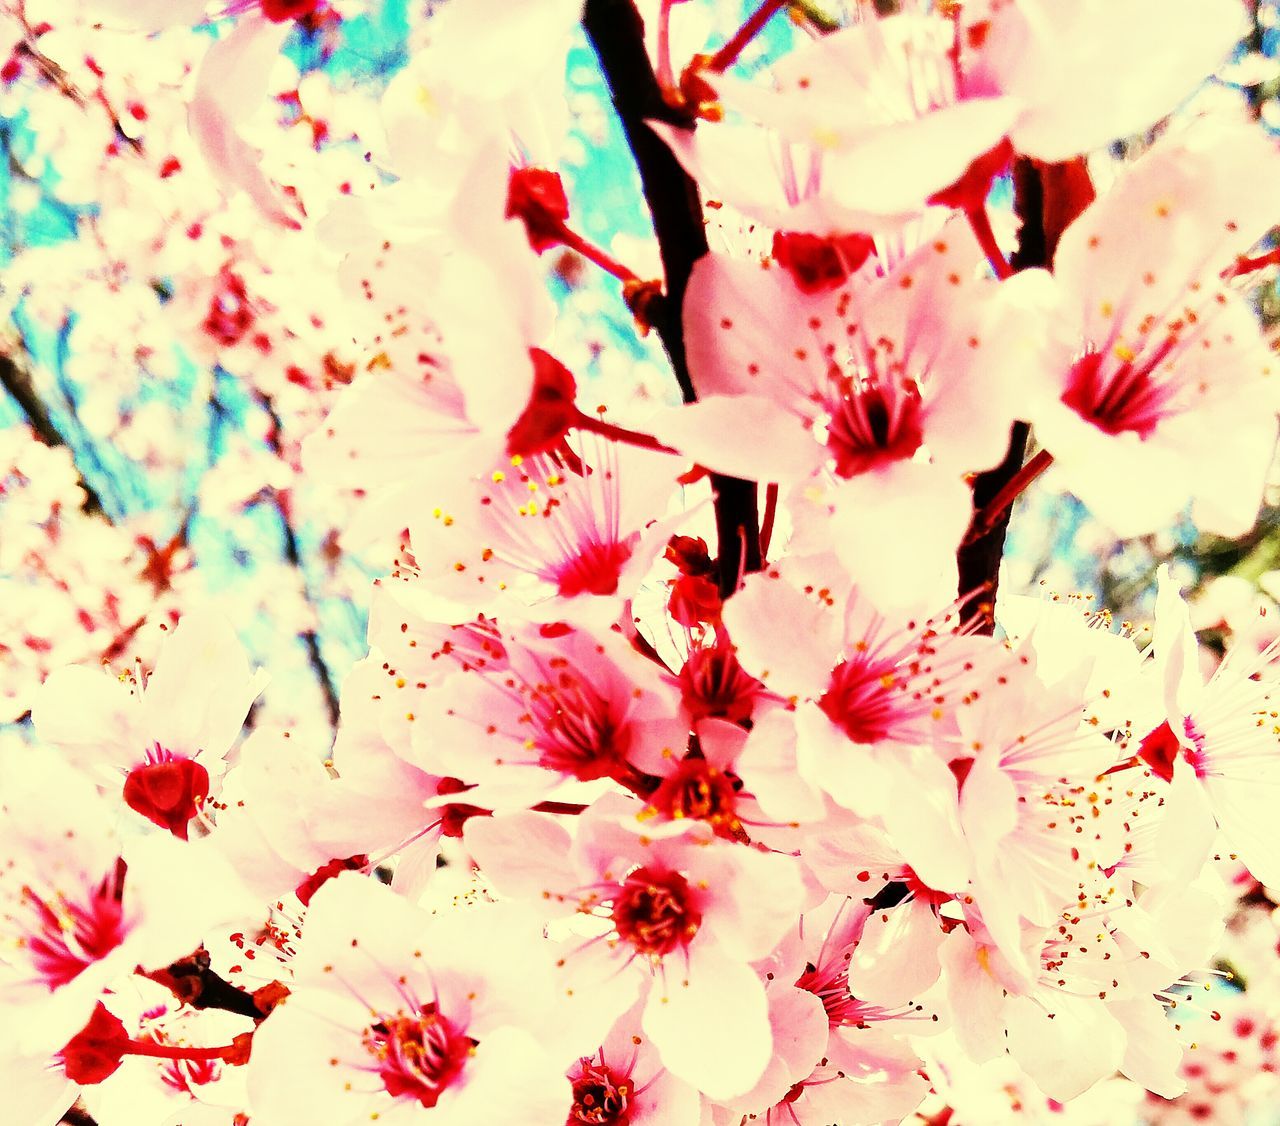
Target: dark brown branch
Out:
[78,1116]
[978,559]
[17,382]
[616,32]
[194,983]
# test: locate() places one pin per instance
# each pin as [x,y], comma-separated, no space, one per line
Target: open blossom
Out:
[558,703]
[1221,732]
[408,1018]
[560,533]
[679,918]
[879,95]
[1150,363]
[158,741]
[894,387]
[81,908]
[1075,73]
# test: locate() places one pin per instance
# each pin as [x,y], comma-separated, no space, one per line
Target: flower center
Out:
[1160,749]
[830,984]
[182,1075]
[168,790]
[862,698]
[1127,399]
[419,1054]
[595,568]
[653,911]
[63,937]
[601,1097]
[576,729]
[697,790]
[714,683]
[870,428]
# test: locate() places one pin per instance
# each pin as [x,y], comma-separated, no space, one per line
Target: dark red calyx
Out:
[95,1052]
[537,198]
[818,264]
[456,814]
[1160,749]
[168,793]
[551,409]
[326,872]
[969,193]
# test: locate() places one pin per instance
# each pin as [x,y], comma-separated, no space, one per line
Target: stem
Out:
[178,1052]
[665,75]
[593,253]
[770,515]
[751,27]
[292,554]
[985,519]
[616,33]
[620,434]
[980,221]
[1245,265]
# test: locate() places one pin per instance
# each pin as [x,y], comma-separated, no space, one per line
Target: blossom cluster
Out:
[698,770]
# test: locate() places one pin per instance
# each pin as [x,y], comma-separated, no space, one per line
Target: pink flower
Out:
[560,704]
[884,393]
[1074,70]
[683,914]
[79,909]
[1152,360]
[1221,732]
[167,735]
[398,1015]
[850,132]
[564,533]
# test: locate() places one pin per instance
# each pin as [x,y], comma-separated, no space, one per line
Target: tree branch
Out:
[17,382]
[616,32]
[1047,198]
[293,555]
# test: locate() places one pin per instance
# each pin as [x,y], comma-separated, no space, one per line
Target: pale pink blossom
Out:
[411,1018]
[161,738]
[1151,362]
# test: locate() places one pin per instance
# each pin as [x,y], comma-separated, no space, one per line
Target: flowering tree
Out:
[701,764]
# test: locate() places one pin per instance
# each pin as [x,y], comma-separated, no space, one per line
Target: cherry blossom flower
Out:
[412,1018]
[555,533]
[684,917]
[1074,73]
[167,734]
[1221,732]
[1148,364]
[896,388]
[880,95]
[81,908]
[561,704]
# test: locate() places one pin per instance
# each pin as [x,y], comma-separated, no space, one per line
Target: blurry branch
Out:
[616,32]
[78,1116]
[57,77]
[293,555]
[17,381]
